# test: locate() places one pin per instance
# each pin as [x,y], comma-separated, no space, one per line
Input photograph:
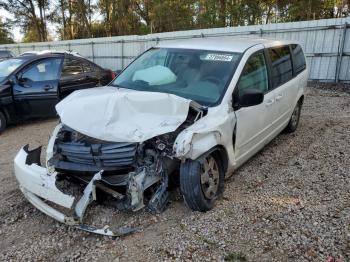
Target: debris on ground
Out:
[291,202]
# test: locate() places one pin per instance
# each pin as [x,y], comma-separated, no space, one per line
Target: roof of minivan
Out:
[229,44]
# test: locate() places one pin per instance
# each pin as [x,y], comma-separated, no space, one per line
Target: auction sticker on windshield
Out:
[219,57]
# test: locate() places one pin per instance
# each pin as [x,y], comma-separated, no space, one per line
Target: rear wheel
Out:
[294,119]
[2,122]
[202,182]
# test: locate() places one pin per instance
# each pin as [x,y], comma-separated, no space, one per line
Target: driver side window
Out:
[254,74]
[45,70]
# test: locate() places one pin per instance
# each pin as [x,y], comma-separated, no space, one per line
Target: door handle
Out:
[269,102]
[279,97]
[48,87]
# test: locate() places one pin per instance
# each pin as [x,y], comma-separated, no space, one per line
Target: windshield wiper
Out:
[197,106]
[118,86]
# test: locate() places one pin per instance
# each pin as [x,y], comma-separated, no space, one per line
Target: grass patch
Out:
[235,257]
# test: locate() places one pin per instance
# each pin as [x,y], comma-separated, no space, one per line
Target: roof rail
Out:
[44,52]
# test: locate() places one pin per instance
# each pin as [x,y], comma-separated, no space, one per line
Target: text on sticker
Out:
[219,57]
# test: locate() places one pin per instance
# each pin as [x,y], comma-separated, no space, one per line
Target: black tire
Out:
[191,184]
[294,119]
[2,122]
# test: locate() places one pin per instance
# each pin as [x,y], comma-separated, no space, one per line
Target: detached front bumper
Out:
[39,188]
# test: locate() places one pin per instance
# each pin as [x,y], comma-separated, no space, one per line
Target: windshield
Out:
[198,75]
[8,66]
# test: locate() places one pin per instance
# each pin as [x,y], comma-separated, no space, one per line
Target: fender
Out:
[192,145]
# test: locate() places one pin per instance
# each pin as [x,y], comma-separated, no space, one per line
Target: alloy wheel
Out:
[210,177]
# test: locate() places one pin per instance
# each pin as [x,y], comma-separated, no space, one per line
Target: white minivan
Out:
[183,114]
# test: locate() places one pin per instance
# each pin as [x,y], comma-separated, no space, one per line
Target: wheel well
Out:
[301,99]
[221,152]
[2,110]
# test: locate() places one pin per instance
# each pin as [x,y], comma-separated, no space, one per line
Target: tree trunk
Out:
[83,14]
[222,13]
[268,14]
[63,20]
[35,20]
[41,6]
[71,26]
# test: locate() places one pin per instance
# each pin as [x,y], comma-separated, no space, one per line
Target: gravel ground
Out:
[291,202]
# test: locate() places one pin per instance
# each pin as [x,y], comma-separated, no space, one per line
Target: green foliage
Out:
[29,15]
[97,18]
[236,257]
[119,17]
[30,36]
[5,35]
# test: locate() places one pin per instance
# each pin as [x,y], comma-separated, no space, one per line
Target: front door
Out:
[254,124]
[36,89]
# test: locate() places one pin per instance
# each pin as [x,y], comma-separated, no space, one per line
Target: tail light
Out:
[113,75]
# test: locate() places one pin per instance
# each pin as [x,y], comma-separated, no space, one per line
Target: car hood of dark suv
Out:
[122,115]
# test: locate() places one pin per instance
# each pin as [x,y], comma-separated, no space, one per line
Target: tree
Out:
[120,17]
[170,15]
[29,15]
[5,35]
[74,18]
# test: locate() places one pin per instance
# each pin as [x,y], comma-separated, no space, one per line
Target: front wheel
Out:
[2,122]
[202,182]
[294,119]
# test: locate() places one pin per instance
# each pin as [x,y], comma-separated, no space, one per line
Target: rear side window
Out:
[254,75]
[281,65]
[71,67]
[298,58]
[88,67]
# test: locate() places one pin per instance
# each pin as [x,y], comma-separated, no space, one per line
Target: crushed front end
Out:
[136,174]
[39,187]
[132,175]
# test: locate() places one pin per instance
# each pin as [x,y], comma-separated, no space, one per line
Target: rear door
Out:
[105,75]
[92,76]
[254,124]
[36,89]
[282,80]
[72,76]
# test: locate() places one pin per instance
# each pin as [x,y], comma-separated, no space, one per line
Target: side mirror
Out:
[12,80]
[250,97]
[18,77]
[23,80]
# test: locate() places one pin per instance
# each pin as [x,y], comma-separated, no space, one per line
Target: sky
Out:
[15,30]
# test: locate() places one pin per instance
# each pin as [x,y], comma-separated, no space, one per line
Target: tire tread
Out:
[3,121]
[190,186]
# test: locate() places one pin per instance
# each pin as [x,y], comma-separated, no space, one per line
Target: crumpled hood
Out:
[122,115]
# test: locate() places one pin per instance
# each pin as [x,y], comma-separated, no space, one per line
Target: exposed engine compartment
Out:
[127,169]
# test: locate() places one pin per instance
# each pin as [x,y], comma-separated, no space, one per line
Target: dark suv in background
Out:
[31,85]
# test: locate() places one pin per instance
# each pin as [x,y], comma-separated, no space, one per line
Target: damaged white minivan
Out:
[184,113]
